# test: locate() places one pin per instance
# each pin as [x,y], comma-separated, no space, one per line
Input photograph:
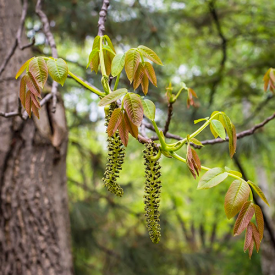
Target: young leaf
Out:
[123,131]
[138,76]
[250,251]
[28,103]
[108,62]
[109,42]
[150,72]
[94,60]
[212,178]
[58,70]
[244,218]
[39,70]
[23,67]
[109,49]
[218,128]
[145,84]
[132,128]
[235,197]
[256,236]
[248,237]
[214,133]
[117,64]
[35,110]
[149,108]
[32,84]
[237,173]
[35,101]
[133,107]
[114,122]
[112,97]
[196,142]
[150,54]
[199,120]
[96,43]
[132,59]
[231,132]
[258,191]
[259,219]
[22,93]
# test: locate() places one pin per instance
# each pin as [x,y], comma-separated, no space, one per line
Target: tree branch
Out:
[46,29]
[169,117]
[102,17]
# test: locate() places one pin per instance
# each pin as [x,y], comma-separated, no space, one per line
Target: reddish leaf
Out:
[28,103]
[133,107]
[244,218]
[132,59]
[150,72]
[35,101]
[251,249]
[256,236]
[145,84]
[22,93]
[138,76]
[235,197]
[115,120]
[192,92]
[248,237]
[259,220]
[32,84]
[123,131]
[35,110]
[132,128]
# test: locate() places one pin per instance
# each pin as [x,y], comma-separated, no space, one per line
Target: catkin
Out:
[116,154]
[152,192]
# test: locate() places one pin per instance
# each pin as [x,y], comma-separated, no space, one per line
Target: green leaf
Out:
[218,128]
[201,119]
[109,42]
[23,67]
[150,54]
[235,197]
[58,70]
[134,108]
[149,108]
[93,59]
[132,60]
[244,218]
[195,141]
[258,191]
[118,64]
[112,97]
[237,173]
[108,48]
[39,70]
[212,178]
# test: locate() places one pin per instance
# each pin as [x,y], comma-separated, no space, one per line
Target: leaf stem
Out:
[92,89]
[161,139]
[117,81]
[101,57]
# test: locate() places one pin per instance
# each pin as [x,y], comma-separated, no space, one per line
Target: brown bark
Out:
[34,220]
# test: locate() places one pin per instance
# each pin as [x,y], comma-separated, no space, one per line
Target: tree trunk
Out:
[34,220]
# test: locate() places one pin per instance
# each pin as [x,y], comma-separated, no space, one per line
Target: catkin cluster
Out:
[152,192]
[116,154]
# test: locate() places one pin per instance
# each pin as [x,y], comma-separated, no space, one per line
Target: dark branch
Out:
[46,29]
[17,41]
[102,17]
[169,117]
[218,76]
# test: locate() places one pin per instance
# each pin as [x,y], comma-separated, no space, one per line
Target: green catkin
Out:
[116,154]
[152,192]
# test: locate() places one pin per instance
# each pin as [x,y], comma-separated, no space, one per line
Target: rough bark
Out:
[34,220]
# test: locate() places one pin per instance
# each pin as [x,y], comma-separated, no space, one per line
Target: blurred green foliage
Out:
[108,233]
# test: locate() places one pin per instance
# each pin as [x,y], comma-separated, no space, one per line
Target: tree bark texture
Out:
[34,218]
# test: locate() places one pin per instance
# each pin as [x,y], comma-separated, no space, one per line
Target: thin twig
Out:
[102,17]
[169,117]
[46,29]
[17,41]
